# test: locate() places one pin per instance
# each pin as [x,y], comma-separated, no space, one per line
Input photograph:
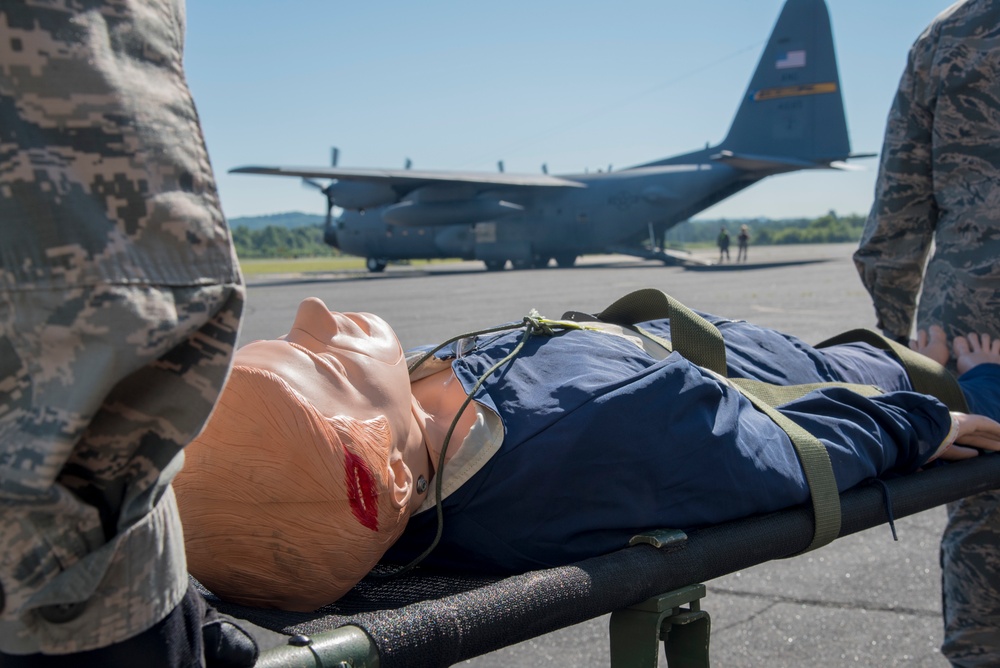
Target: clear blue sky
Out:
[459,84]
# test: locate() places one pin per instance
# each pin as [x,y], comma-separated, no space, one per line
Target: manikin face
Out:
[289,496]
[342,363]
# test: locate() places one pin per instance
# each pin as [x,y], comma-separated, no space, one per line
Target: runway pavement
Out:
[863,600]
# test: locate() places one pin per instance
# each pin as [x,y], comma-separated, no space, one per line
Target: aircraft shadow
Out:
[443,270]
[747,266]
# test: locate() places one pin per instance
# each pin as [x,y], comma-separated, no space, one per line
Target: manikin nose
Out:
[315,318]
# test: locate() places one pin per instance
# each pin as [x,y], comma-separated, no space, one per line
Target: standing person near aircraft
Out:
[120,301]
[743,243]
[722,241]
[939,183]
[791,117]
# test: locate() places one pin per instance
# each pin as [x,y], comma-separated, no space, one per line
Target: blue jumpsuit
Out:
[602,441]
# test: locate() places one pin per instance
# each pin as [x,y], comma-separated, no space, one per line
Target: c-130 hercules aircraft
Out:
[791,118]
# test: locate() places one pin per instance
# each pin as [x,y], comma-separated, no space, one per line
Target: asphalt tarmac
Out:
[862,600]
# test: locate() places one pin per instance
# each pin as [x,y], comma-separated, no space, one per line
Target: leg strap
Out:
[926,375]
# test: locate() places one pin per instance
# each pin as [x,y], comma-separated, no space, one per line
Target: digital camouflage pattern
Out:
[939,181]
[970,562]
[938,178]
[120,302]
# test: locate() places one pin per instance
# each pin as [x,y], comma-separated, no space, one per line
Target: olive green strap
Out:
[814,458]
[659,340]
[700,342]
[816,466]
[693,337]
[926,375]
[777,395]
[812,454]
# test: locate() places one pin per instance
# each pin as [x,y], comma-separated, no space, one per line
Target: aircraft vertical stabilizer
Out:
[793,107]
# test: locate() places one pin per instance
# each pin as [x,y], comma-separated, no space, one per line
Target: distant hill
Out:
[289,219]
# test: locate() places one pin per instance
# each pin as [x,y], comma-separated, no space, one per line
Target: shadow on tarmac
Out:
[743,266]
[439,270]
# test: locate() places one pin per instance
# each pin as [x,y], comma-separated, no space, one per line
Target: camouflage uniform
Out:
[120,301]
[939,181]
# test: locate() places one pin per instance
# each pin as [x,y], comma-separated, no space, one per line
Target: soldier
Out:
[743,240]
[722,241]
[120,302]
[937,182]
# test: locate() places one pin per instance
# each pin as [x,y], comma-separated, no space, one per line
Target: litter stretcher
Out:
[652,588]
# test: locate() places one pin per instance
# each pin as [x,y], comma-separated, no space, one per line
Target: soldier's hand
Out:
[192,635]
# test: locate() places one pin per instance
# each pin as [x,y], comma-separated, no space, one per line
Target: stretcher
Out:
[653,588]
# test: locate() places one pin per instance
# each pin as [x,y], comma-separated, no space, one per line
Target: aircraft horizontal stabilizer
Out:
[413,178]
[846,166]
[768,163]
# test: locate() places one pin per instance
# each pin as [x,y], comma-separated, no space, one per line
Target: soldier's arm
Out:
[900,227]
[119,307]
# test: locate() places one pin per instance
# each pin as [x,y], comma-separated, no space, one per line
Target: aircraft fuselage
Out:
[613,209]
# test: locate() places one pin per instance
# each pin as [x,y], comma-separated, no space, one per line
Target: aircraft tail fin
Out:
[793,107]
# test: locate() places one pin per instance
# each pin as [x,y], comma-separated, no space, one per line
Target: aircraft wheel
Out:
[375,265]
[521,264]
[565,261]
[495,265]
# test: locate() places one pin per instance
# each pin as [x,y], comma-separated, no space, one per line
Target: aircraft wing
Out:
[411,179]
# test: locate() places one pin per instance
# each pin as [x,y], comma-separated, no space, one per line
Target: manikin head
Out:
[305,473]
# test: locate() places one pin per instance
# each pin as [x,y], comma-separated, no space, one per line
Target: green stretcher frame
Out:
[653,589]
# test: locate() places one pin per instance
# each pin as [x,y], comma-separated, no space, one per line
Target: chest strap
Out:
[701,343]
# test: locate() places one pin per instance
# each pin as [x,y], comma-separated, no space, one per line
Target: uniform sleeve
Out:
[868,437]
[120,301]
[900,226]
[981,386]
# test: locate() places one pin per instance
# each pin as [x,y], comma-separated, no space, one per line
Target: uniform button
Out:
[62,613]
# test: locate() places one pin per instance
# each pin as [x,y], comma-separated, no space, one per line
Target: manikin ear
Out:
[372,439]
[402,480]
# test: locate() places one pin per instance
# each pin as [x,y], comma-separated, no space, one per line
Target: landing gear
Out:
[533,262]
[565,261]
[495,265]
[375,265]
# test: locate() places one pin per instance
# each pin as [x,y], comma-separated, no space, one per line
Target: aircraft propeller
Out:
[329,235]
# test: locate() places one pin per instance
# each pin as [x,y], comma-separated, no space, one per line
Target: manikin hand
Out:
[975,431]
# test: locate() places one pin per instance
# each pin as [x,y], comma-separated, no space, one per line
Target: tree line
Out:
[826,229]
[275,241]
[279,241]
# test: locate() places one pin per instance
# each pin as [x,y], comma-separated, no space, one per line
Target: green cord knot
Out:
[535,323]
